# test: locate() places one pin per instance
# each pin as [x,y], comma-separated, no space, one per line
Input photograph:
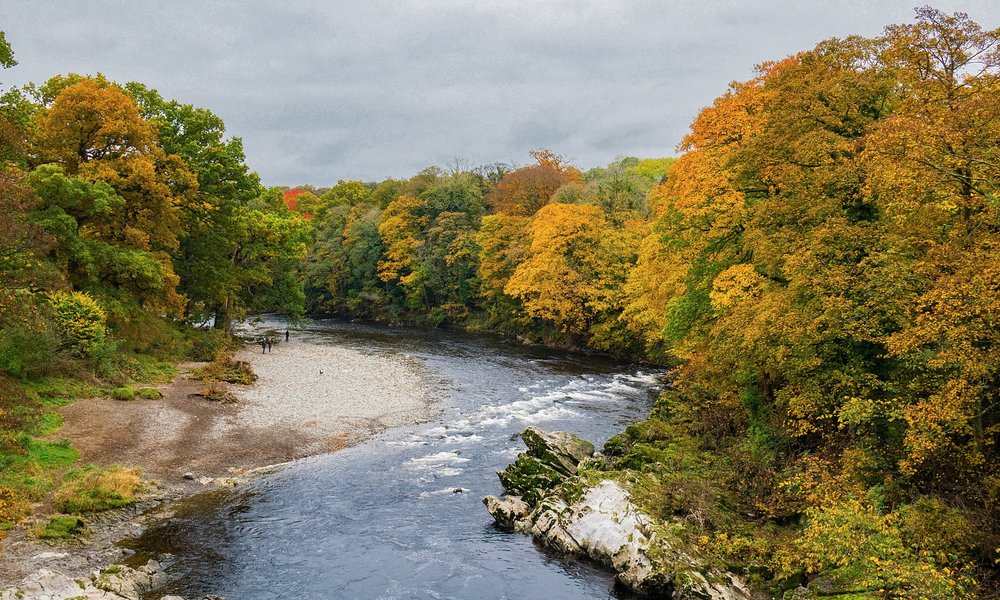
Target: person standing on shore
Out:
[286,335]
[269,345]
[263,345]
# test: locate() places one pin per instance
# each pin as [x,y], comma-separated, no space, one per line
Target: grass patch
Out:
[28,468]
[48,423]
[63,527]
[92,488]
[53,392]
[52,455]
[139,367]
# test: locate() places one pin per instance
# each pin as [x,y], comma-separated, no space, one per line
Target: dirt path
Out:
[309,399]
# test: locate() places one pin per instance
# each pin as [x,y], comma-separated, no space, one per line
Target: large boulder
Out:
[560,450]
[529,478]
[551,457]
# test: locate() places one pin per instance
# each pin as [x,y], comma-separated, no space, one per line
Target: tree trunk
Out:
[223,316]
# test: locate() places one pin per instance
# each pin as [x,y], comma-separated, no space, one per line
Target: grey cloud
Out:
[321,91]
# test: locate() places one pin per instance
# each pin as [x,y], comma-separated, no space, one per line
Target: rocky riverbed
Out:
[117,582]
[547,497]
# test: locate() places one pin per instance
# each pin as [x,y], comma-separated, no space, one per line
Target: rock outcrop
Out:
[545,499]
[117,582]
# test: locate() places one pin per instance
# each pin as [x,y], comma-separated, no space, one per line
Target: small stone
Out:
[189,476]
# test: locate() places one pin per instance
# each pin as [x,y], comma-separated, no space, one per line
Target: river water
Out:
[400,516]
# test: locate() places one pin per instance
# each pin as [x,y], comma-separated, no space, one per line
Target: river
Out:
[400,516]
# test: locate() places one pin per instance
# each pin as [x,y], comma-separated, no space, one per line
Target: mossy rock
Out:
[61,528]
[529,478]
[560,450]
[124,394]
[150,393]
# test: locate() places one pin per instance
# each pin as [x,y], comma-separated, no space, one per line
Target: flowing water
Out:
[400,516]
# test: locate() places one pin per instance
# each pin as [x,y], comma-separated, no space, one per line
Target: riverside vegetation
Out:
[820,268]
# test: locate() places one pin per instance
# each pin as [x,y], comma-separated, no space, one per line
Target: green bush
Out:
[141,332]
[104,356]
[206,344]
[25,353]
[80,320]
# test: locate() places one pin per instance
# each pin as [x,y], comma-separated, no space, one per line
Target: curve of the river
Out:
[400,516]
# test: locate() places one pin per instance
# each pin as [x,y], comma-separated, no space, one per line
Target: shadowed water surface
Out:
[400,516]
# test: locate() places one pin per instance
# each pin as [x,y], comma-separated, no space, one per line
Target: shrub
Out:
[127,367]
[856,547]
[104,356]
[224,368]
[17,411]
[91,488]
[206,344]
[142,332]
[80,319]
[26,353]
[13,508]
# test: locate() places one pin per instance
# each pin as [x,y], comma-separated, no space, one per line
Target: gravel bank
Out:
[329,390]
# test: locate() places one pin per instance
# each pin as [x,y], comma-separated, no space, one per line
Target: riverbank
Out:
[308,400]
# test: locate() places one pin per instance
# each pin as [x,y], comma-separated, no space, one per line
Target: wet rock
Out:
[603,525]
[560,450]
[551,457]
[528,477]
[117,582]
[506,511]
[45,584]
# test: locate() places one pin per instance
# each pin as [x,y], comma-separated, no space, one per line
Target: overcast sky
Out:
[321,91]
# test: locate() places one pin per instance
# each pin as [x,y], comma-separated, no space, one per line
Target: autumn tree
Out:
[563,281]
[524,191]
[94,132]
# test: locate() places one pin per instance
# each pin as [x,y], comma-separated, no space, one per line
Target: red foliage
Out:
[290,198]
